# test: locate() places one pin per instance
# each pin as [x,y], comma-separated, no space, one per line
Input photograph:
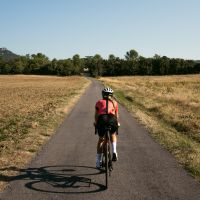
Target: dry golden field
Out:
[31,107]
[169,106]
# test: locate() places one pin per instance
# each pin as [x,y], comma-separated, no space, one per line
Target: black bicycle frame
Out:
[108,160]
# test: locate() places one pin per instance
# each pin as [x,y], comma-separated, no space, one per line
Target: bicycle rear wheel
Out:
[106,164]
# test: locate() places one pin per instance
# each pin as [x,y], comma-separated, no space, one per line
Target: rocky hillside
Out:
[7,55]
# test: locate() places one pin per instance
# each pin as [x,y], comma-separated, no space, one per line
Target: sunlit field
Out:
[169,106]
[31,107]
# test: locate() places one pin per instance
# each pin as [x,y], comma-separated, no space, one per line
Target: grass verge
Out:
[31,108]
[169,107]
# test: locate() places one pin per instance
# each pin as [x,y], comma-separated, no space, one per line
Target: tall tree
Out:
[131,55]
[37,62]
[77,62]
[132,58]
[98,64]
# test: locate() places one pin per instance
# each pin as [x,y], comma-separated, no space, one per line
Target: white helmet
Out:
[107,92]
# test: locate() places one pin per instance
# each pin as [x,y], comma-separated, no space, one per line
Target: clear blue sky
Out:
[62,28]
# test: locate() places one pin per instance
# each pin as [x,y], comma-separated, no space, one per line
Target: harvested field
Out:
[31,107]
[169,106]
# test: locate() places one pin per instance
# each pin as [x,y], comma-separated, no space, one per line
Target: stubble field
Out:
[169,107]
[31,107]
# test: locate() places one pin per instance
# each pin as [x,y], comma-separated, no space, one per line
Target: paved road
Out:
[64,169]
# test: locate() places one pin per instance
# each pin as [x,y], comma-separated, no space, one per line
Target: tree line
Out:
[132,64]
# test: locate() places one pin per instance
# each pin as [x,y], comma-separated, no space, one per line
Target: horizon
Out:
[4,48]
[60,29]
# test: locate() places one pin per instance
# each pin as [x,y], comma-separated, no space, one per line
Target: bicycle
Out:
[107,156]
[106,161]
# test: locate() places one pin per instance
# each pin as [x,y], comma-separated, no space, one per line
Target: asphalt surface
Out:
[65,167]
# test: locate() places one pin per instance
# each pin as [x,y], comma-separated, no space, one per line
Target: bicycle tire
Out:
[106,164]
[110,167]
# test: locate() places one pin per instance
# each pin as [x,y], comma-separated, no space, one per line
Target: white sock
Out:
[114,147]
[98,158]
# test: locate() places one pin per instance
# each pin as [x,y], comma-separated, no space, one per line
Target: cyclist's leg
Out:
[113,137]
[114,142]
[99,152]
[114,127]
[100,144]
[114,146]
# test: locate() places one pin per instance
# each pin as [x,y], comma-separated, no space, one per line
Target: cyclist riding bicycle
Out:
[106,116]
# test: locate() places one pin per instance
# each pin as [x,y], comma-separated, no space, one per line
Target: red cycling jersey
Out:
[101,107]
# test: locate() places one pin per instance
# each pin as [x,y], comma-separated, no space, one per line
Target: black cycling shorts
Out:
[105,121]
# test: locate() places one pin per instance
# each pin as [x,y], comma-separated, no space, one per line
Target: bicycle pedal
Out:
[110,166]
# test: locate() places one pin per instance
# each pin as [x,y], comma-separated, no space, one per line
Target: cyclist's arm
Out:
[117,114]
[96,114]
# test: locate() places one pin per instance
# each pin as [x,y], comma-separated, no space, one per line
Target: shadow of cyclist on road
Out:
[56,179]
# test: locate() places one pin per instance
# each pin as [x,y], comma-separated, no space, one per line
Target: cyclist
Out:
[103,116]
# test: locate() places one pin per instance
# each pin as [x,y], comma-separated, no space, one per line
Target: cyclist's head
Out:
[107,92]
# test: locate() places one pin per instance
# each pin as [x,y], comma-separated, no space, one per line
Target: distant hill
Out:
[7,55]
